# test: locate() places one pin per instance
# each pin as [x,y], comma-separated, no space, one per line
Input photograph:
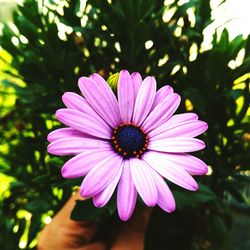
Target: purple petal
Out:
[81,164]
[101,98]
[182,118]
[144,100]
[126,193]
[74,101]
[160,163]
[125,96]
[162,112]
[172,121]
[189,163]
[165,197]
[161,94]
[65,132]
[83,122]
[137,81]
[101,176]
[184,129]
[144,181]
[77,102]
[177,145]
[75,145]
[102,198]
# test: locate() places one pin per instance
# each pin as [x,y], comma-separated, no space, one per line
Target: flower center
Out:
[129,140]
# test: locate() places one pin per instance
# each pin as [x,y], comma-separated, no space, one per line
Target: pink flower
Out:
[131,143]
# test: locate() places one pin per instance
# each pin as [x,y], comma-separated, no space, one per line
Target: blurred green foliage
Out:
[53,43]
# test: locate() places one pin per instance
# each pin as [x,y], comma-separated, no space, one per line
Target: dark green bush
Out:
[47,59]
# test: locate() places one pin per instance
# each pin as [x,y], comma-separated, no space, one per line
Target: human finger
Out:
[64,232]
[93,246]
[131,234]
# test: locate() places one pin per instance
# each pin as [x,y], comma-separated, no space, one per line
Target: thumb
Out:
[132,233]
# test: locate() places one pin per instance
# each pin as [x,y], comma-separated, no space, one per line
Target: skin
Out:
[65,234]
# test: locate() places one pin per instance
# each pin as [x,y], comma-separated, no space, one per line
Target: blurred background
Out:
[200,47]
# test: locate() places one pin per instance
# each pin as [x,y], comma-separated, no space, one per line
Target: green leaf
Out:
[47,179]
[192,199]
[224,40]
[56,161]
[235,46]
[85,210]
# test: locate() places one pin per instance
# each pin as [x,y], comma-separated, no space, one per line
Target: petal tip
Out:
[66,96]
[49,137]
[123,75]
[97,203]
[135,74]
[124,216]
[58,113]
[150,203]
[65,172]
[176,99]
[94,75]
[84,193]
[194,187]
[205,127]
[137,79]
[82,80]
[171,209]
[151,78]
[50,149]
[203,144]
[124,71]
[205,170]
